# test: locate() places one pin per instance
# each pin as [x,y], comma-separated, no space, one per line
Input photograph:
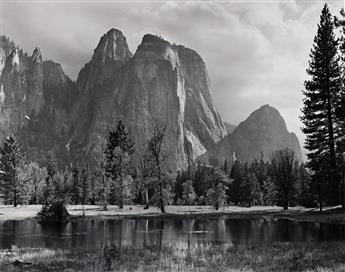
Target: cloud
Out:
[256,53]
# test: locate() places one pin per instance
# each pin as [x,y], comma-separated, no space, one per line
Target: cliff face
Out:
[264,131]
[161,82]
[35,100]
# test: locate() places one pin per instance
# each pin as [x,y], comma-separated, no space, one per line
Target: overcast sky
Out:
[256,52]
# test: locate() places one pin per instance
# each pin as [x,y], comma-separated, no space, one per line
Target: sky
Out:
[256,52]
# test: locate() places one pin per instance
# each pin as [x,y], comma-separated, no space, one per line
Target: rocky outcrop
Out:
[162,82]
[263,132]
[36,98]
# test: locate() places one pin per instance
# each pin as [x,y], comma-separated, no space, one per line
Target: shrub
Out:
[55,212]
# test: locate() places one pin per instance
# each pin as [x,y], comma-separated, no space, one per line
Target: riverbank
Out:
[322,257]
[335,214]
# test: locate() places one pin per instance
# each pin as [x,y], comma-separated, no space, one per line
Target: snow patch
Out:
[198,148]
[27,117]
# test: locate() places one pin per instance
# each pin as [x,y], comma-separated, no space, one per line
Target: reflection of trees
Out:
[9,230]
[161,229]
[146,232]
[53,234]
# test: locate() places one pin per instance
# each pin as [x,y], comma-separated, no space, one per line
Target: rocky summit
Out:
[161,82]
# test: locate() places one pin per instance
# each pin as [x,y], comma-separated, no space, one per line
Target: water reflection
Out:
[186,234]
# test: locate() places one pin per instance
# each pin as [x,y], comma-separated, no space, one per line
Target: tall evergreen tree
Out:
[188,194]
[340,110]
[119,164]
[216,195]
[11,161]
[320,100]
[49,182]
[75,184]
[236,178]
[84,186]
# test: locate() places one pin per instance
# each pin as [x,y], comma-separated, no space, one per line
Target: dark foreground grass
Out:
[326,256]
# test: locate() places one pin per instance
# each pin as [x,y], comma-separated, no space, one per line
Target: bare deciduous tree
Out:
[158,156]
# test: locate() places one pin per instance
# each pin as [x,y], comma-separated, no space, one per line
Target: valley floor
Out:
[334,214]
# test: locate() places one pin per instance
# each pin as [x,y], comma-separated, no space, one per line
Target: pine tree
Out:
[51,172]
[119,164]
[11,161]
[84,186]
[75,184]
[216,195]
[320,100]
[181,178]
[188,195]
[201,182]
[236,177]
[305,197]
[247,185]
[340,110]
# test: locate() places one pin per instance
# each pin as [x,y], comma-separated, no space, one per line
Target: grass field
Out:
[328,256]
[333,214]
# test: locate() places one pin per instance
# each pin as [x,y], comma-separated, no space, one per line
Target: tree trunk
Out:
[331,144]
[105,182]
[35,196]
[286,201]
[15,198]
[162,207]
[121,193]
[146,198]
[320,196]
[342,191]
[286,205]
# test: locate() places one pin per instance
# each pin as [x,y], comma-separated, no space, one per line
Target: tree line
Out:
[122,175]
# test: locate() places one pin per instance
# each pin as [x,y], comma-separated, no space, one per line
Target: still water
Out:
[206,232]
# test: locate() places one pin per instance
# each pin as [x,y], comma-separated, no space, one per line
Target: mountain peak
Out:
[263,132]
[267,114]
[112,47]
